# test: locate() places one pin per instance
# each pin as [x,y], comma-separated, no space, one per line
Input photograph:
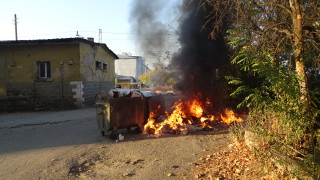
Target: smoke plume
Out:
[200,58]
[146,24]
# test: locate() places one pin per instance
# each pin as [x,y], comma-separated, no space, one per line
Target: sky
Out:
[49,19]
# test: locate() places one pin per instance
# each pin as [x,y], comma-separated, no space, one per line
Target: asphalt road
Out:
[29,142]
[68,145]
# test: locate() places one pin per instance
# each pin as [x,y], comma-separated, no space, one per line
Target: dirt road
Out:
[68,145]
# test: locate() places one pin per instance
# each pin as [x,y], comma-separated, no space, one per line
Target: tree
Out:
[160,77]
[283,28]
[145,78]
[277,43]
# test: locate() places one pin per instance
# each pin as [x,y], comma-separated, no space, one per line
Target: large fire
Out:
[188,115]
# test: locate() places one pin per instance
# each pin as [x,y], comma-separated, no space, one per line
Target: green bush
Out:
[277,112]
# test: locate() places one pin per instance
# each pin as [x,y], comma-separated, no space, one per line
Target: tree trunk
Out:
[298,49]
[300,68]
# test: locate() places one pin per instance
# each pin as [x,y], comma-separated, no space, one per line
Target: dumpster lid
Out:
[117,93]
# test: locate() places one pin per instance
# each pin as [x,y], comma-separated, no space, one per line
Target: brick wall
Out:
[90,90]
[51,95]
[38,96]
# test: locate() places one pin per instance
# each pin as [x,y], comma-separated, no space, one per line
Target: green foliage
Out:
[277,112]
[145,78]
[263,37]
[159,77]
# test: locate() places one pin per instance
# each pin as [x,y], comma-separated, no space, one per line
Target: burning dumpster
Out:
[124,108]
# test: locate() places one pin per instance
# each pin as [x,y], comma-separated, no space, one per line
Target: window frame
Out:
[47,70]
[105,67]
[98,65]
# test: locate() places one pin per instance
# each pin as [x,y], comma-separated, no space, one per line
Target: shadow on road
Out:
[38,130]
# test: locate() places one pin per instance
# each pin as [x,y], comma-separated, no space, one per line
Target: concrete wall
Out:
[95,80]
[92,88]
[3,77]
[84,92]
[88,56]
[74,80]
[23,90]
[52,96]
[133,66]
[21,61]
[141,68]
[38,96]
[126,67]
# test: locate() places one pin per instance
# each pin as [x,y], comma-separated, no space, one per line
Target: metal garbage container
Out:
[124,108]
[103,117]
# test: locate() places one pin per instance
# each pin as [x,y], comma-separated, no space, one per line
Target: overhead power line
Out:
[65,32]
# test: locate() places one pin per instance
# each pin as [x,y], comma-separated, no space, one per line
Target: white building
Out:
[130,66]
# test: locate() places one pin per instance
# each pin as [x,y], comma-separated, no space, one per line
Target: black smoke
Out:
[200,59]
[146,24]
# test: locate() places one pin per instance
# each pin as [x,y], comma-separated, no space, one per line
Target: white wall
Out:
[130,66]
[126,67]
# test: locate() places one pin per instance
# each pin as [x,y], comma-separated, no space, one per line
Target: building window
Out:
[98,65]
[44,69]
[105,67]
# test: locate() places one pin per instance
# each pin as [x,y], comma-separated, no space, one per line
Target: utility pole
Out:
[100,35]
[15,25]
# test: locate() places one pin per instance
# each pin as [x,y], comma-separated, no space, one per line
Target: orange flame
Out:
[195,108]
[173,122]
[186,114]
[230,117]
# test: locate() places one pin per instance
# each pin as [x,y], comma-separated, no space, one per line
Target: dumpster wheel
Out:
[103,133]
[114,135]
[138,129]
